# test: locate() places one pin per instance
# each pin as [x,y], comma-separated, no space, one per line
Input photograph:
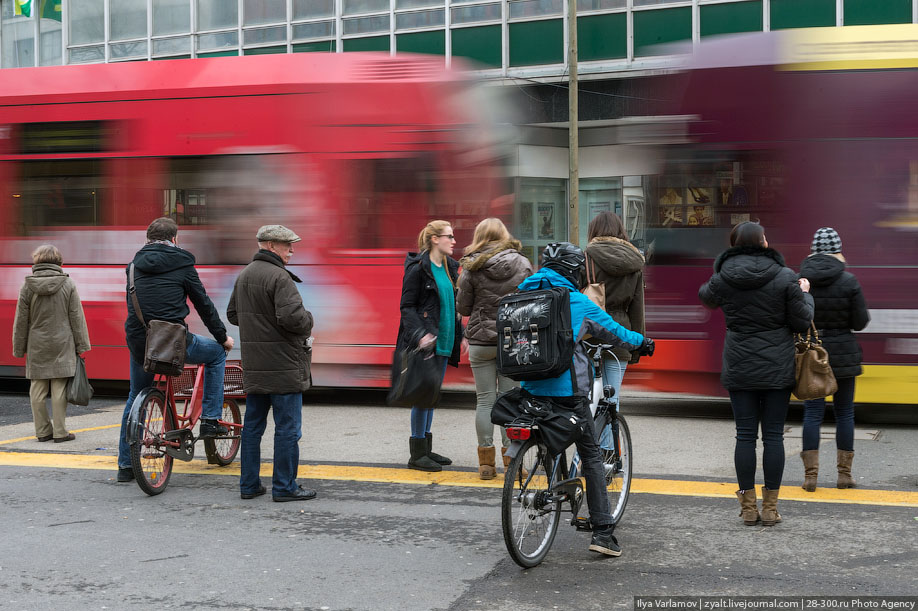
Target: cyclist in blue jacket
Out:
[563,267]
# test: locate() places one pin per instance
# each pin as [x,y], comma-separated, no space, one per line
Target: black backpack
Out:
[535,340]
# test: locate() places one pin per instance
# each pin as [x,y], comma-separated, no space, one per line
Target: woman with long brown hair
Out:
[615,262]
[491,268]
[429,322]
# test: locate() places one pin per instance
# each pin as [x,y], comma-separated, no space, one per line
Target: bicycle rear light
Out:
[518,433]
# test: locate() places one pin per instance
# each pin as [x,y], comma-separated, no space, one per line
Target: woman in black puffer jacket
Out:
[840,308]
[763,304]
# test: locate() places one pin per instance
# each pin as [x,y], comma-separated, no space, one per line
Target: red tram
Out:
[800,129]
[354,151]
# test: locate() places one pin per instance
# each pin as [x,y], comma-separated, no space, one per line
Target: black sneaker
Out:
[211,428]
[251,495]
[604,541]
[300,494]
[125,475]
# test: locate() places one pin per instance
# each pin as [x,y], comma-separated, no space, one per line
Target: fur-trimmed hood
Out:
[495,260]
[616,257]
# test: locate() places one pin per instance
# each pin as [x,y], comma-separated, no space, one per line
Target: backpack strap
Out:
[133,293]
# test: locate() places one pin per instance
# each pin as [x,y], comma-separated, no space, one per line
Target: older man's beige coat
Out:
[49,328]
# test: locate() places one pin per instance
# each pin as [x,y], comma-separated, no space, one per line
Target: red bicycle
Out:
[159,432]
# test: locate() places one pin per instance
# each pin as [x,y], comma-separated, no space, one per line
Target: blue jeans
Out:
[843,404]
[613,372]
[752,408]
[422,418]
[199,350]
[288,420]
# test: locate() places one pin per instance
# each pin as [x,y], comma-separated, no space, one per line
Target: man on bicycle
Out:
[563,267]
[164,280]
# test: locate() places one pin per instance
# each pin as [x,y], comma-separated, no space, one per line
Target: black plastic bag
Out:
[79,392]
[416,379]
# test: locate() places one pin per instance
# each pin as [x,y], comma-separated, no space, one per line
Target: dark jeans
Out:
[843,405]
[422,418]
[752,408]
[591,468]
[199,350]
[288,419]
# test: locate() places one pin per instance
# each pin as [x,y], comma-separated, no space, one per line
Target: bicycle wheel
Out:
[222,450]
[615,446]
[528,517]
[152,466]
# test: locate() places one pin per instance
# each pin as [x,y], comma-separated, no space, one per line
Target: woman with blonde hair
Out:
[49,330]
[491,268]
[429,321]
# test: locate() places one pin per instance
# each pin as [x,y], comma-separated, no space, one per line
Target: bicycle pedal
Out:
[582,524]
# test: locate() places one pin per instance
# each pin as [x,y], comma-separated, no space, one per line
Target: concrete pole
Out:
[573,171]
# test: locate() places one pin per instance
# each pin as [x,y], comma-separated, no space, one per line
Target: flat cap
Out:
[276,233]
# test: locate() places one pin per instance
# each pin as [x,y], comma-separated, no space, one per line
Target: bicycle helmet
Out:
[566,259]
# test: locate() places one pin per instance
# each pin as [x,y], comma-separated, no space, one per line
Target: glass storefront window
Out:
[265,35]
[475,13]
[311,9]
[51,42]
[87,55]
[216,14]
[599,5]
[541,214]
[171,17]
[403,4]
[258,12]
[127,19]
[420,19]
[364,25]
[598,195]
[172,46]
[122,50]
[534,8]
[87,21]
[309,31]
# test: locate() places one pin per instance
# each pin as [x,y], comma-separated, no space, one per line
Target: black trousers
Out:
[753,409]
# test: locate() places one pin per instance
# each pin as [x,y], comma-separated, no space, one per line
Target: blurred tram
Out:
[355,152]
[799,129]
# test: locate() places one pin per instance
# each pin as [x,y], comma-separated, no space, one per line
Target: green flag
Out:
[22,7]
[51,9]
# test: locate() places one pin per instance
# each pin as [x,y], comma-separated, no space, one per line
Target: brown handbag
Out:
[815,379]
[165,348]
[595,291]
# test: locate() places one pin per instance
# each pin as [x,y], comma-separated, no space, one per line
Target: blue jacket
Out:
[586,319]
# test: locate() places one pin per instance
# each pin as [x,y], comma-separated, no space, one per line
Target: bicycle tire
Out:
[152,466]
[523,508]
[222,450]
[616,464]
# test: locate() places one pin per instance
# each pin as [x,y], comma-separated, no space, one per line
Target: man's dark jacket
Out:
[763,306]
[273,327]
[165,278]
[420,303]
[840,307]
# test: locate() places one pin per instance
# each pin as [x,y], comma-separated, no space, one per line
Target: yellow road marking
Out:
[390,475]
[32,437]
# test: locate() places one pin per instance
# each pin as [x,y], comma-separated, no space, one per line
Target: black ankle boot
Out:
[419,459]
[211,428]
[438,458]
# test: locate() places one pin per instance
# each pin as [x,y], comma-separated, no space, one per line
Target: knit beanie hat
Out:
[826,241]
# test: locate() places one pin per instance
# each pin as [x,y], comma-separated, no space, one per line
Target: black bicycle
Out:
[538,486]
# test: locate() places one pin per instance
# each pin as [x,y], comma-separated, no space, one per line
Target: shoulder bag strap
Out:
[590,270]
[133,293]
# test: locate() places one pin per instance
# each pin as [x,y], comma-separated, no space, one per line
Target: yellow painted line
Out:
[32,437]
[390,475]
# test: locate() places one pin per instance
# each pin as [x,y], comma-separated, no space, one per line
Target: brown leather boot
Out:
[748,511]
[503,454]
[770,515]
[486,469]
[810,468]
[844,469]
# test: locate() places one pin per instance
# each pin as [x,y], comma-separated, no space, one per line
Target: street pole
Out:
[573,170]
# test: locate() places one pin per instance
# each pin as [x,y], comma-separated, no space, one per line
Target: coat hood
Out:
[615,256]
[46,279]
[496,262]
[546,278]
[821,270]
[160,258]
[748,267]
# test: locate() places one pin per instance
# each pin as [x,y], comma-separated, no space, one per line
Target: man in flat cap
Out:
[274,329]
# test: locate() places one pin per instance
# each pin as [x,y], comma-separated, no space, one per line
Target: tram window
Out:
[701,195]
[59,194]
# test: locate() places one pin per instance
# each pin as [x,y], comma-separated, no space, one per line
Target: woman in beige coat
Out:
[50,329]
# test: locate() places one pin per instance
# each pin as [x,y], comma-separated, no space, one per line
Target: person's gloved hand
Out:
[647,347]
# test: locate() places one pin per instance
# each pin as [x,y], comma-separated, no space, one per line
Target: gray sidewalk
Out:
[668,447]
